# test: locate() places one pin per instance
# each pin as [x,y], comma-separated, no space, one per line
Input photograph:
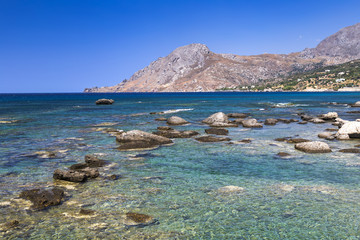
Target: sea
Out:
[302,196]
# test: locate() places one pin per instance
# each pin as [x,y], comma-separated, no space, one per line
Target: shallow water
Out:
[307,196]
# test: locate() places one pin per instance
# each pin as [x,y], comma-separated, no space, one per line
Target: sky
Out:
[69,45]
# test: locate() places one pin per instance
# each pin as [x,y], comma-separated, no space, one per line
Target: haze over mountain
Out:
[194,68]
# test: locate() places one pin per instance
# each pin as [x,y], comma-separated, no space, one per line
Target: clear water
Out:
[308,196]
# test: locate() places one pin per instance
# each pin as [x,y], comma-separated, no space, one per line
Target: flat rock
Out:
[136,139]
[212,139]
[42,198]
[174,120]
[327,135]
[217,131]
[104,101]
[237,115]
[350,150]
[270,121]
[329,116]
[283,154]
[313,147]
[317,120]
[176,133]
[161,119]
[296,140]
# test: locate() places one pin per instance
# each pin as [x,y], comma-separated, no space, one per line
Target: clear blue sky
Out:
[67,45]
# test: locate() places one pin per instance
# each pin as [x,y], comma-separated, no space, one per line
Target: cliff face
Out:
[194,67]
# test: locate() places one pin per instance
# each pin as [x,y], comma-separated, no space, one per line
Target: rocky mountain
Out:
[194,67]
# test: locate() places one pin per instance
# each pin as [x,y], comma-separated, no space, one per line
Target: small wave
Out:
[288,104]
[177,110]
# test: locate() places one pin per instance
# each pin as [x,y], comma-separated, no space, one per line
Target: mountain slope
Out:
[195,68]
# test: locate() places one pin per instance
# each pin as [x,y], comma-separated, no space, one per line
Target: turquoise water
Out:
[307,196]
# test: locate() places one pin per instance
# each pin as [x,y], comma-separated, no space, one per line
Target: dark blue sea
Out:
[304,196]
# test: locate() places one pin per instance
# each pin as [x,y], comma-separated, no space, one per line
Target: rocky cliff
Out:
[195,68]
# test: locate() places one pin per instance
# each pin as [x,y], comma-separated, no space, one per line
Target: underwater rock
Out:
[303,122]
[270,121]
[104,101]
[138,219]
[84,211]
[313,147]
[174,120]
[217,131]
[251,123]
[164,128]
[283,154]
[9,225]
[350,150]
[230,189]
[212,139]
[93,161]
[161,119]
[42,199]
[71,175]
[296,140]
[136,139]
[176,134]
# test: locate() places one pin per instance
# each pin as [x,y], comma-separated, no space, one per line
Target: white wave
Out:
[177,110]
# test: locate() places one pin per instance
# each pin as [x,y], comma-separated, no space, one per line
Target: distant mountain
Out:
[194,68]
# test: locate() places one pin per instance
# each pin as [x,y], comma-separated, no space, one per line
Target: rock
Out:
[237,121]
[349,130]
[332,129]
[317,120]
[283,154]
[230,189]
[222,125]
[313,147]
[161,119]
[176,134]
[104,101]
[46,154]
[217,131]
[42,199]
[212,139]
[327,135]
[136,139]
[287,121]
[138,219]
[9,225]
[296,140]
[251,123]
[89,172]
[93,161]
[174,120]
[357,104]
[78,166]
[84,211]
[219,117]
[329,116]
[350,150]
[270,121]
[237,115]
[303,122]
[71,175]
[164,128]
[284,139]
[305,117]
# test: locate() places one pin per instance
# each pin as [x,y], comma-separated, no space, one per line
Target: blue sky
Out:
[67,45]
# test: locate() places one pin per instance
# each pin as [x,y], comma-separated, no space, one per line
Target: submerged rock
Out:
[176,134]
[350,150]
[283,154]
[42,199]
[138,219]
[313,147]
[174,120]
[104,101]
[230,189]
[161,119]
[237,115]
[296,140]
[212,139]
[136,139]
[71,175]
[217,131]
[93,161]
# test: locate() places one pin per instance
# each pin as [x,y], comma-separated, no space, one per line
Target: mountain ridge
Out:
[194,68]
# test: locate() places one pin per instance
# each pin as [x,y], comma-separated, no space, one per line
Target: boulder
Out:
[349,130]
[219,117]
[317,120]
[104,101]
[212,139]
[357,104]
[313,147]
[136,139]
[71,175]
[270,121]
[138,219]
[251,123]
[237,115]
[327,135]
[329,116]
[230,189]
[174,120]
[217,131]
[42,199]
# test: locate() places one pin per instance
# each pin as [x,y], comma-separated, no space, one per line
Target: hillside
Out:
[194,68]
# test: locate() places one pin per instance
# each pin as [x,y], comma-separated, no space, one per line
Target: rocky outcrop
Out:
[174,120]
[42,198]
[136,139]
[313,147]
[104,101]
